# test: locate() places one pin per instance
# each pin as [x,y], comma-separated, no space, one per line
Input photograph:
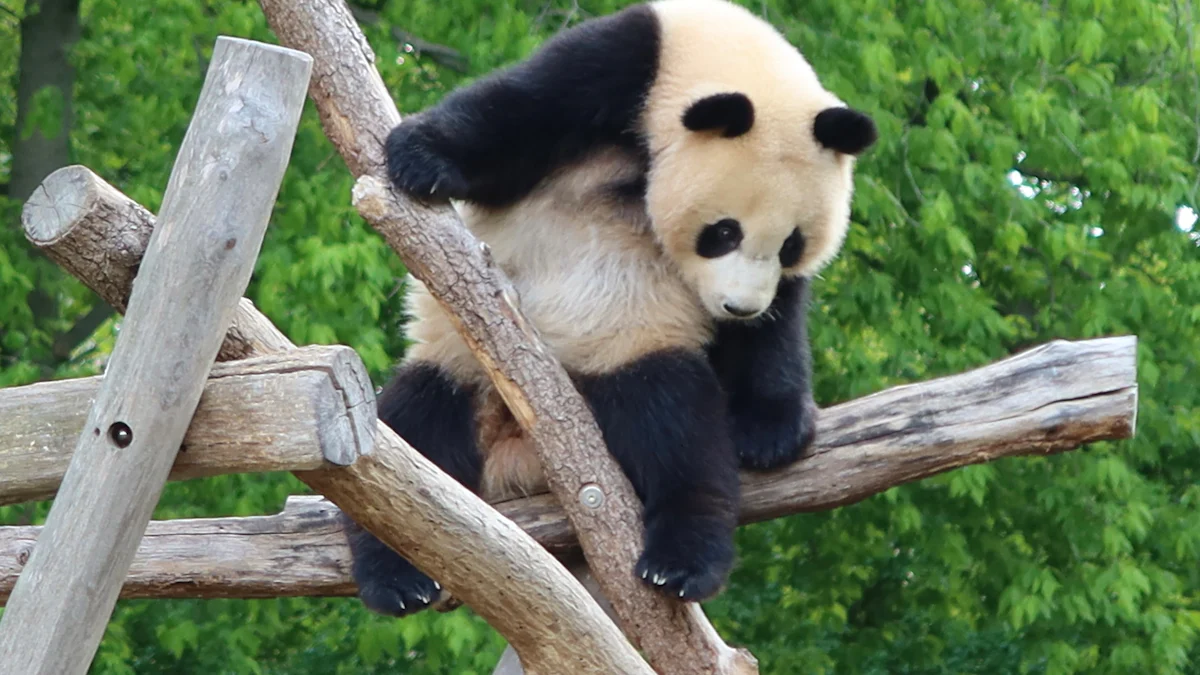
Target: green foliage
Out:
[1033,161]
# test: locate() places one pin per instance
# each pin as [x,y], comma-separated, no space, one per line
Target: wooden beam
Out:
[294,411]
[406,501]
[299,552]
[215,211]
[1052,398]
[99,235]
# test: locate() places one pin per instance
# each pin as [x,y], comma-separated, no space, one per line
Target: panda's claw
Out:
[397,589]
[686,558]
[417,165]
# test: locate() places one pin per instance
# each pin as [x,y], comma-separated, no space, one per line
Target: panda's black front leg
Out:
[492,141]
[663,419]
[425,407]
[765,367]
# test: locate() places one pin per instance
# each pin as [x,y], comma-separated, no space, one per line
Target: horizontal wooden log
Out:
[294,411]
[301,551]
[1049,399]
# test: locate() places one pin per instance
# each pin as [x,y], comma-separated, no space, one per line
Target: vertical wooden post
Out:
[199,261]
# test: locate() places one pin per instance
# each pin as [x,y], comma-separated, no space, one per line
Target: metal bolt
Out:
[591,496]
[120,434]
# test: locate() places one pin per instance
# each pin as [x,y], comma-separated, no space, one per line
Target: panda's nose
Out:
[740,312]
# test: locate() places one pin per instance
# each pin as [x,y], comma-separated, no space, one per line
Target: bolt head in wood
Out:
[591,496]
[120,434]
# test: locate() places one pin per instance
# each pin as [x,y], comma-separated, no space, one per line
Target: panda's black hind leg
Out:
[435,415]
[663,418]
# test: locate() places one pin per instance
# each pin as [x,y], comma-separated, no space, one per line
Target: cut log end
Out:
[65,198]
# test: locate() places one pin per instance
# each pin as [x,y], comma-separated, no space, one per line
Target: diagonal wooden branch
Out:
[1049,399]
[357,114]
[401,496]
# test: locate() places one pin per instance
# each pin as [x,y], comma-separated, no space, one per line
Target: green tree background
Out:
[1035,179]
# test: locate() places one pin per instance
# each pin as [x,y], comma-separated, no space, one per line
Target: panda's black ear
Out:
[731,113]
[845,130]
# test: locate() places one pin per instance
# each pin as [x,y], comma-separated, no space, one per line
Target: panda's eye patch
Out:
[719,238]
[793,246]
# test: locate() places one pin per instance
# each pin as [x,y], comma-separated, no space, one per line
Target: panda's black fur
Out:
[680,422]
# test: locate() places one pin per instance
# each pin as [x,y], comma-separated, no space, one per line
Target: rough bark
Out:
[395,492]
[1050,399]
[99,235]
[357,113]
[215,213]
[293,411]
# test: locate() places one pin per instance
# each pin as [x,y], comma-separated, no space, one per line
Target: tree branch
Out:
[1049,399]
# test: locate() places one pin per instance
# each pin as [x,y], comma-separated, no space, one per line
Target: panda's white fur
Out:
[597,288]
[594,171]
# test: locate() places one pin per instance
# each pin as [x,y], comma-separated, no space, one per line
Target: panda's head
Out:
[752,160]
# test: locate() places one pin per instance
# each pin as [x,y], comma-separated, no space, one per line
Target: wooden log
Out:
[396,492]
[215,211]
[96,233]
[294,411]
[357,113]
[1050,399]
[299,552]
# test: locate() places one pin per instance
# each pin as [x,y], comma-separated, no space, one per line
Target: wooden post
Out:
[300,410]
[197,266]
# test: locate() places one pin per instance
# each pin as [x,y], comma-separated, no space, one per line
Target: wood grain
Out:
[293,411]
[198,262]
[1052,398]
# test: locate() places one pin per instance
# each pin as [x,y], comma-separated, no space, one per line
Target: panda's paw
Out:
[688,562]
[417,166]
[400,591]
[766,441]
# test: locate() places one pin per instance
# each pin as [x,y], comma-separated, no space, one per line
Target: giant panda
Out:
[660,184]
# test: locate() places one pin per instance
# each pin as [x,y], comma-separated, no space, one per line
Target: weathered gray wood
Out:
[299,552]
[1049,399]
[408,503]
[288,412]
[198,263]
